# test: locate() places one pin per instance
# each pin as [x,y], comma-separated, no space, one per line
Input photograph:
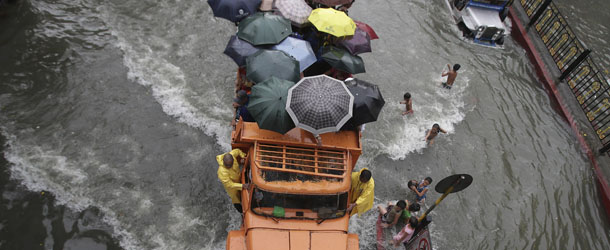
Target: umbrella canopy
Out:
[332,21]
[343,60]
[359,43]
[264,28]
[367,102]
[234,10]
[239,50]
[333,2]
[367,29]
[319,104]
[264,64]
[268,105]
[299,49]
[296,11]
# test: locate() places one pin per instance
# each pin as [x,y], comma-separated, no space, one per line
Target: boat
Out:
[299,191]
[481,21]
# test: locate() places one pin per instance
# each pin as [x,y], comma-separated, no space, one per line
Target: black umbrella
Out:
[239,50]
[234,10]
[367,102]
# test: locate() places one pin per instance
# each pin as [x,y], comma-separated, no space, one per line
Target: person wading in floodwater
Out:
[451,75]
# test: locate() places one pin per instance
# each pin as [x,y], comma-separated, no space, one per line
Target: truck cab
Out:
[298,192]
[482,21]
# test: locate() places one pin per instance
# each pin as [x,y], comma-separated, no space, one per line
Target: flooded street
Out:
[116,110]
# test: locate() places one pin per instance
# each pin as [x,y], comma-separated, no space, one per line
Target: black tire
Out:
[500,41]
[504,14]
[466,32]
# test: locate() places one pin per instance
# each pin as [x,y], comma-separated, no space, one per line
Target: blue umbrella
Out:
[239,49]
[299,49]
[234,10]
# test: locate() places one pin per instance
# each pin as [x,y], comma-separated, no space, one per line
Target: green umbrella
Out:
[268,105]
[343,60]
[264,28]
[264,64]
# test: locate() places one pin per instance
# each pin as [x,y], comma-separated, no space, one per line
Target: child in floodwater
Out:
[433,133]
[451,75]
[408,103]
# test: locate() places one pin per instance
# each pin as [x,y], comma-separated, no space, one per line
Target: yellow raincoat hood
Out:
[363,194]
[230,176]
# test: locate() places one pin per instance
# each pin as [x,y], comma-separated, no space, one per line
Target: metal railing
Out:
[583,75]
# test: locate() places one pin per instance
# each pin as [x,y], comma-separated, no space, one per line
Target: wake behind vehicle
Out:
[481,21]
[299,191]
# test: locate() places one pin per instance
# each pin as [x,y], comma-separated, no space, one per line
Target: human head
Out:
[415,207]
[227,160]
[407,96]
[411,183]
[241,98]
[456,67]
[429,180]
[413,222]
[365,175]
[436,126]
[401,204]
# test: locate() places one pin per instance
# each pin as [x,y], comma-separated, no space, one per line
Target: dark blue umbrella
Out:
[238,50]
[234,10]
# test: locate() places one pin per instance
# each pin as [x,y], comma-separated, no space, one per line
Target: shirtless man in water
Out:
[451,75]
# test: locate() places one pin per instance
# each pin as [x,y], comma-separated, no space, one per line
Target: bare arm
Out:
[422,192]
[442,130]
[395,220]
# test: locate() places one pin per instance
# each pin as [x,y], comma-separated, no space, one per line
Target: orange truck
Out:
[299,191]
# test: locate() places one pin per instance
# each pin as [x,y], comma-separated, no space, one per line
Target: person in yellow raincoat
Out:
[363,192]
[229,174]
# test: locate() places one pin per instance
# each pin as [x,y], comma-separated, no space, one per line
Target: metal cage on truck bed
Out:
[279,162]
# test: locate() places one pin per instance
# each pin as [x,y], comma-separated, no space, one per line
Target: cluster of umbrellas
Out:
[274,58]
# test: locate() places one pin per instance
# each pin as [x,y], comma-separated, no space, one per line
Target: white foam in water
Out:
[437,105]
[170,89]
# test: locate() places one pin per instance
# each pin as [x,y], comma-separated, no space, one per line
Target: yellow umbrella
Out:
[332,21]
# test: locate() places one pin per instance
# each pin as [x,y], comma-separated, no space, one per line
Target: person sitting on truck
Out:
[240,103]
[406,233]
[229,175]
[363,192]
[391,214]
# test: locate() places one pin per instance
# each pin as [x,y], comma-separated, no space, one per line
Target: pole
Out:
[449,190]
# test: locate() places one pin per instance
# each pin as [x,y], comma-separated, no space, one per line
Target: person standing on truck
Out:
[363,192]
[228,174]
[451,75]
